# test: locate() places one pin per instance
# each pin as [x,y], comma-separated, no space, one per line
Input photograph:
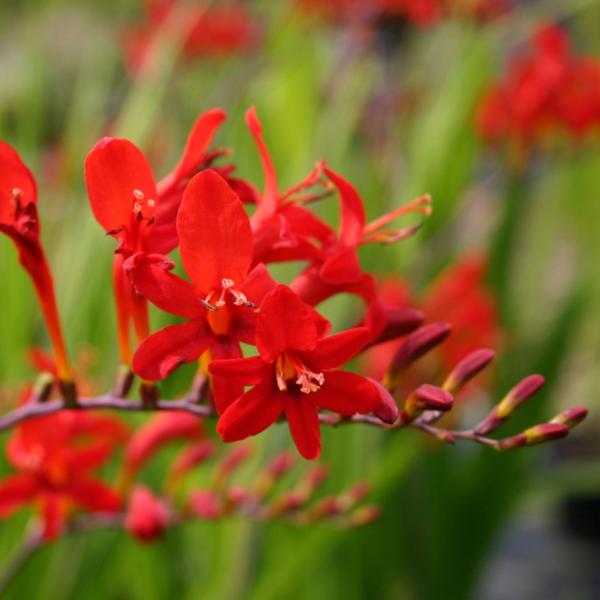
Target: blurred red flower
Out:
[56,457]
[548,90]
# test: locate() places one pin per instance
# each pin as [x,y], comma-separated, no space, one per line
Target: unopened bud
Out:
[326,507]
[428,397]
[364,516]
[538,434]
[278,467]
[235,457]
[147,516]
[519,394]
[468,368]
[399,322]
[571,417]
[236,495]
[388,409]
[417,344]
[191,457]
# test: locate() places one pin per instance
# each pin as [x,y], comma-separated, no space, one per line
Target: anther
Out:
[151,203]
[138,194]
[137,208]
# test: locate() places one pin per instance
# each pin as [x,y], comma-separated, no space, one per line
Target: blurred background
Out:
[391,96]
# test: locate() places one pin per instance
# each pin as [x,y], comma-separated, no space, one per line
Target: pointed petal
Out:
[268,203]
[342,268]
[215,239]
[15,491]
[94,496]
[225,389]
[53,508]
[338,349]
[258,284]
[162,352]
[196,146]
[303,421]
[251,413]
[248,371]
[14,175]
[149,274]
[353,217]
[114,168]
[347,394]
[285,322]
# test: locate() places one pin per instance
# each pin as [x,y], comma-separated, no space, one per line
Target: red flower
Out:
[338,269]
[19,220]
[140,214]
[216,251]
[200,31]
[548,90]
[147,516]
[55,457]
[295,374]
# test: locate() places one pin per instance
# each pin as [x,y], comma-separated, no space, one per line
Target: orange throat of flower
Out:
[288,368]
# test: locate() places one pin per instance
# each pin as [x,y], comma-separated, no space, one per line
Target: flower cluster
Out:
[548,91]
[264,352]
[199,30]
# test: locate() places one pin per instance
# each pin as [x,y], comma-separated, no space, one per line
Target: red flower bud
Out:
[571,417]
[147,516]
[206,505]
[428,397]
[468,368]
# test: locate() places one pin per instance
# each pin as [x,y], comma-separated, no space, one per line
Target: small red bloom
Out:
[295,374]
[216,249]
[147,516]
[19,220]
[55,457]
[140,214]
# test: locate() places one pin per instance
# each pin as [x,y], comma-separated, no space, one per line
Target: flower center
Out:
[288,368]
[217,298]
[143,208]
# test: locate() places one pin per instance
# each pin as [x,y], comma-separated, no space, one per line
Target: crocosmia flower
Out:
[19,220]
[216,249]
[295,374]
[55,457]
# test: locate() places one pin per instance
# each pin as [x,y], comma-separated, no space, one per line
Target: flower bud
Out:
[519,394]
[538,434]
[388,410]
[364,516]
[468,368]
[147,516]
[428,397]
[417,344]
[399,322]
[191,457]
[571,417]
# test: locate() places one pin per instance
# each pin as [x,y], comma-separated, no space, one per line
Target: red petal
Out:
[54,508]
[338,349]
[14,174]
[214,233]
[258,284]
[303,420]
[113,170]
[149,275]
[248,371]
[162,352]
[251,413]
[343,267]
[285,322]
[268,203]
[197,144]
[15,491]
[225,389]
[158,431]
[94,496]
[347,393]
[353,212]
